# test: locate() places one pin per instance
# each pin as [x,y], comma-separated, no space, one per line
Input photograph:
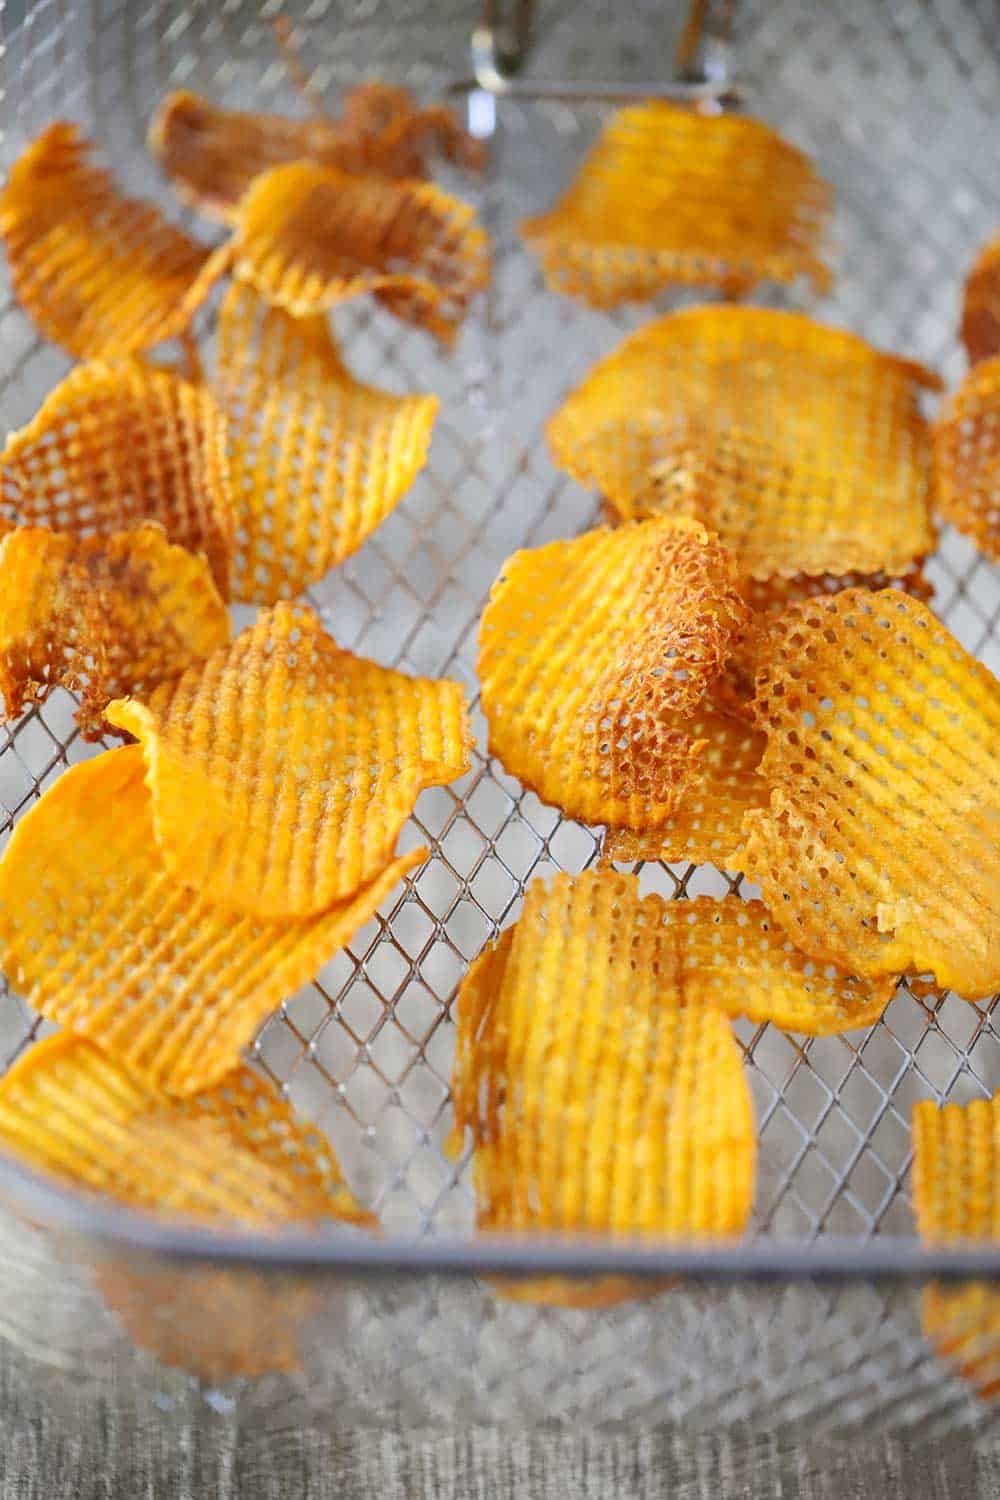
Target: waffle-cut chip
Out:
[981,305]
[879,849]
[101,274]
[802,446]
[310,237]
[235,1153]
[98,937]
[593,655]
[283,769]
[317,460]
[115,445]
[102,616]
[670,195]
[967,457]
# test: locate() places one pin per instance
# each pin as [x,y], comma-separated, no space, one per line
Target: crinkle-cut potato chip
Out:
[967,457]
[235,1153]
[114,445]
[802,446]
[879,849]
[283,768]
[99,273]
[102,616]
[99,937]
[310,237]
[593,654]
[981,305]
[317,459]
[670,195]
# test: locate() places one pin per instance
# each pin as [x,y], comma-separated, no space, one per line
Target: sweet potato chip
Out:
[317,459]
[310,237]
[283,769]
[102,616]
[967,457]
[802,446]
[981,305]
[671,195]
[115,445]
[592,655]
[234,1153]
[879,849]
[101,274]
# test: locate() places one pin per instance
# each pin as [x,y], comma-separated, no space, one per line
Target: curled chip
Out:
[310,237]
[284,768]
[802,446]
[317,459]
[101,274]
[233,1153]
[593,655]
[967,457]
[101,616]
[671,195]
[879,849]
[981,306]
[99,937]
[116,445]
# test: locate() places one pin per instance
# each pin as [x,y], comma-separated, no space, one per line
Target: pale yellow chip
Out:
[967,456]
[99,273]
[802,446]
[981,305]
[593,655]
[284,768]
[235,1153]
[101,616]
[310,237]
[317,459]
[114,445]
[880,849]
[99,937]
[670,195]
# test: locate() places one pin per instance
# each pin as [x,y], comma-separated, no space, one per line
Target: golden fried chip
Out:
[101,274]
[310,237]
[668,195]
[283,770]
[115,445]
[879,849]
[593,654]
[967,457]
[234,1153]
[802,446]
[317,459]
[981,305]
[102,616]
[99,937]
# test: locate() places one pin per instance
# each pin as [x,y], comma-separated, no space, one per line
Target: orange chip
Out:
[101,274]
[233,1154]
[283,770]
[802,446]
[317,459]
[967,457]
[981,306]
[101,616]
[670,195]
[879,849]
[310,237]
[593,653]
[116,445]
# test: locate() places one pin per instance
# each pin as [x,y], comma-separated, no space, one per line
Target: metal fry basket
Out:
[814,1321]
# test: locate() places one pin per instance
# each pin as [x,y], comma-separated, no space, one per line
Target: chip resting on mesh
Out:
[310,237]
[317,459]
[593,655]
[981,305]
[283,769]
[879,849]
[99,273]
[235,1153]
[114,445]
[102,616]
[967,457]
[670,195]
[802,446]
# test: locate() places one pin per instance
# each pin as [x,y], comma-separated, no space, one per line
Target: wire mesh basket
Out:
[815,1320]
